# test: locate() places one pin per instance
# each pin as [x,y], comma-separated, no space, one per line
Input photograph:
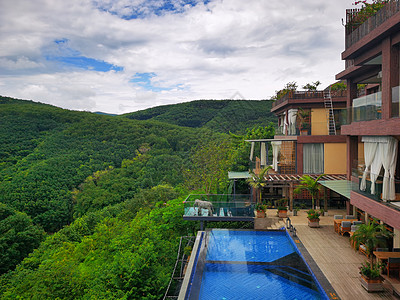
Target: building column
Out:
[352,153]
[366,220]
[396,238]
[351,94]
[390,75]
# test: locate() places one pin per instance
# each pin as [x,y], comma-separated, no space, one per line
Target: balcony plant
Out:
[313,218]
[366,11]
[304,121]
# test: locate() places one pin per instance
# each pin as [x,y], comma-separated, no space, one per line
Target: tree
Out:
[18,237]
[211,162]
[312,86]
[257,181]
[310,185]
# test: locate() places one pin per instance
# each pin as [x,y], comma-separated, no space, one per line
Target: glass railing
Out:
[395,102]
[316,128]
[374,193]
[221,206]
[367,108]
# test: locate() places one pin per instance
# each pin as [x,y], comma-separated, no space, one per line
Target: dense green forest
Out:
[223,115]
[91,204]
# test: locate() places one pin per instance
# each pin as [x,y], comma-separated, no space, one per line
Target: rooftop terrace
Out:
[357,28]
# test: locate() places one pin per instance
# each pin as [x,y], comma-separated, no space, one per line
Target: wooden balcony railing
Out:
[356,30]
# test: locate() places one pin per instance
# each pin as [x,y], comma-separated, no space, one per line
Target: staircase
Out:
[277,224]
[329,112]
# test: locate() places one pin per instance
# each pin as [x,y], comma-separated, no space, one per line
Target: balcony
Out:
[309,95]
[224,208]
[357,28]
[374,193]
[366,108]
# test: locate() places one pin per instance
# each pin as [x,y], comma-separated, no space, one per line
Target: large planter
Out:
[282,213]
[260,214]
[371,285]
[313,223]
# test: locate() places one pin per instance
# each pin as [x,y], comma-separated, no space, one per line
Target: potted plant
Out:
[313,218]
[371,278]
[370,236]
[282,208]
[260,208]
[296,210]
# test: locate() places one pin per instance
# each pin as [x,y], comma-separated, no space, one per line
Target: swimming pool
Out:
[243,264]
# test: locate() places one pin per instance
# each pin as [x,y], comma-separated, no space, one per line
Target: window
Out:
[313,158]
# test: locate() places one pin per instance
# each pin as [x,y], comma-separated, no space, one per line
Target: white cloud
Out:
[203,52]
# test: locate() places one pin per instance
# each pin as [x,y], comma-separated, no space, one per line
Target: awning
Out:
[342,187]
[238,175]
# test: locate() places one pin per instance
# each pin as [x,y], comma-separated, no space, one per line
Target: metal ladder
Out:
[329,112]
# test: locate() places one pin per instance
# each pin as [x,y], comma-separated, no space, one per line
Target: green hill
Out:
[220,115]
[108,192]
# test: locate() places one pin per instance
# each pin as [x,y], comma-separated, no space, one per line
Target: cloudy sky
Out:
[119,56]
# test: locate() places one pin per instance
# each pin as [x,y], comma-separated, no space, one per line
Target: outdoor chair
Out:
[349,217]
[345,227]
[337,217]
[396,249]
[363,249]
[354,228]
[393,265]
[382,249]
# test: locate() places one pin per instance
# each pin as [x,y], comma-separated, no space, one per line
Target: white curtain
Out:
[263,154]
[252,151]
[276,147]
[385,149]
[284,123]
[313,158]
[375,168]
[389,160]
[369,155]
[292,114]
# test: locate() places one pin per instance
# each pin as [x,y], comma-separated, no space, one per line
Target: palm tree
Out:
[310,185]
[257,181]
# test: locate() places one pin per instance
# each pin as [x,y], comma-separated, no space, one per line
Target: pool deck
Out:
[334,256]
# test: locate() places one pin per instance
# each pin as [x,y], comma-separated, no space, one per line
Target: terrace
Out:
[359,24]
[224,208]
[306,97]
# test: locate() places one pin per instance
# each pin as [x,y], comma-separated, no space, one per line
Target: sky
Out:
[120,56]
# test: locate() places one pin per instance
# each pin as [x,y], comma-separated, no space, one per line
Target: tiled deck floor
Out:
[334,256]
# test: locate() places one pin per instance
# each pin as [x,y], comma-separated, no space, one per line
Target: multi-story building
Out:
[307,141]
[371,56]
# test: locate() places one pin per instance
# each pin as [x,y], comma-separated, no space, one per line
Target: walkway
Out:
[334,256]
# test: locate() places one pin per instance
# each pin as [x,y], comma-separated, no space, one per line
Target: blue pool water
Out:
[253,265]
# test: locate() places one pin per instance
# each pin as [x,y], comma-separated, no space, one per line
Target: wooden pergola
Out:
[289,181]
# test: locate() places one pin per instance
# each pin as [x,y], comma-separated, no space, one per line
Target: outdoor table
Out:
[384,255]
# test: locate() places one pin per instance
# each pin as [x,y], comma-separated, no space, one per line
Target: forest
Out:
[91,204]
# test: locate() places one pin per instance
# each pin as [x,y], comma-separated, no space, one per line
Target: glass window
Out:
[313,158]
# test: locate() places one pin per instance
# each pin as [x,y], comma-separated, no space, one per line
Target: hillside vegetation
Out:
[222,115]
[97,200]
